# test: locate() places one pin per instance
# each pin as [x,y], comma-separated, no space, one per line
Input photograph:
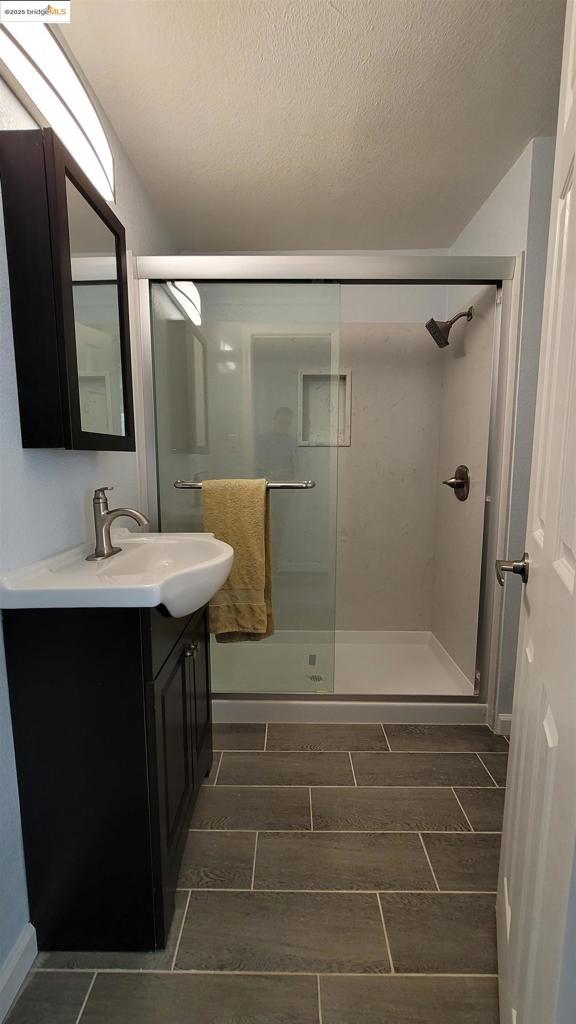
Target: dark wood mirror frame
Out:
[34,166]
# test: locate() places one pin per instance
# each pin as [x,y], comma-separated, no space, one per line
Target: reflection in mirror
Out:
[96,316]
[183,369]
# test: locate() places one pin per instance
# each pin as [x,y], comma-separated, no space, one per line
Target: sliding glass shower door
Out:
[247,385]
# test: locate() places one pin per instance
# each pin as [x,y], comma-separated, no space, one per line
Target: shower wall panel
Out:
[464,427]
[387,478]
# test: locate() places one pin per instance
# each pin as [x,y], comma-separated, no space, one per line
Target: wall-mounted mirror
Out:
[72,343]
[96,317]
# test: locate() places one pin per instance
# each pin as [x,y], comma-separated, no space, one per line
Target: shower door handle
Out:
[520,568]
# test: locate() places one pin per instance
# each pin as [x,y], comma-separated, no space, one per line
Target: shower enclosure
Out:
[377,568]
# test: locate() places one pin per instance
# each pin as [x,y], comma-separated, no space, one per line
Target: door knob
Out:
[521,568]
[460,482]
[190,650]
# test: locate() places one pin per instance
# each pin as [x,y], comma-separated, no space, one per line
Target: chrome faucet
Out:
[103,519]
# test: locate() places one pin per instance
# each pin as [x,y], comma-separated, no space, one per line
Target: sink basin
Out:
[182,571]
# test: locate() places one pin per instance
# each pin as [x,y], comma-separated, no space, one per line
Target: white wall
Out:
[513,219]
[391,303]
[499,227]
[45,500]
[13,898]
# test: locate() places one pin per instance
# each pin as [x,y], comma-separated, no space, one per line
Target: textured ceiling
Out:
[313,124]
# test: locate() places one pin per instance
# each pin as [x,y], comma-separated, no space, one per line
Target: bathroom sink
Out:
[182,571]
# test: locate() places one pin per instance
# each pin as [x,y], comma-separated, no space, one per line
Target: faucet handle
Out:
[100,493]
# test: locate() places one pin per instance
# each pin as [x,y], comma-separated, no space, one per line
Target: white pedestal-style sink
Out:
[182,571]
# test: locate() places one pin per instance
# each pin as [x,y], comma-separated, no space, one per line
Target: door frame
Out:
[506,272]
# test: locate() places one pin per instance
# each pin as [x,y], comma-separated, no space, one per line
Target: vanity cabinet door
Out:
[202,691]
[173,737]
[197,648]
[180,743]
[173,767]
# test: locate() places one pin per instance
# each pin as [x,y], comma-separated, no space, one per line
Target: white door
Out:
[537,889]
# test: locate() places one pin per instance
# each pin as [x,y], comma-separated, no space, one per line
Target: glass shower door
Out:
[247,385]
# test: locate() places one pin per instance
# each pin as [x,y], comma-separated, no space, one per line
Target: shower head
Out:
[440,329]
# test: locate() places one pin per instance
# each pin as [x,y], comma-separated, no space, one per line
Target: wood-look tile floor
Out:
[333,874]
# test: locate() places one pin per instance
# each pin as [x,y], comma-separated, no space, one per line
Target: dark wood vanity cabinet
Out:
[113,738]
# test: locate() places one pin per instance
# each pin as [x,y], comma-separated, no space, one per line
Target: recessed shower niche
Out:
[324,408]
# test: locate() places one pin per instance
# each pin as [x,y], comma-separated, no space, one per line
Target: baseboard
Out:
[292,709]
[503,725]
[15,968]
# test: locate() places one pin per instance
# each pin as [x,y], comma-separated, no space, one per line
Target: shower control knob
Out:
[520,568]
[460,482]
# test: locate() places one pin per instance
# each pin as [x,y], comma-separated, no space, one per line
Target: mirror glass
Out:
[181,371]
[96,316]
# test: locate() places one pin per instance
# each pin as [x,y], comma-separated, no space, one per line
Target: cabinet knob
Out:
[190,650]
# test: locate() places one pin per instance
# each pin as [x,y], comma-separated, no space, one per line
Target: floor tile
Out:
[442,738]
[484,808]
[441,933]
[239,736]
[51,998]
[259,807]
[283,932]
[211,778]
[325,737]
[339,860]
[201,999]
[395,1000]
[155,961]
[497,765]
[419,770]
[217,860]
[467,862]
[388,809]
[276,768]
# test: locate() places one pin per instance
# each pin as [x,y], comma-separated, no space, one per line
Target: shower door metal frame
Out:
[506,272]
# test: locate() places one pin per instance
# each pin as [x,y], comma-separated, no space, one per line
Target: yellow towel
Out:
[237,511]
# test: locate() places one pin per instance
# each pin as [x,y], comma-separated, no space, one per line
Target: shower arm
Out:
[458,316]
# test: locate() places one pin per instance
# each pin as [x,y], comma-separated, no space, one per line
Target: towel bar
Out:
[272,485]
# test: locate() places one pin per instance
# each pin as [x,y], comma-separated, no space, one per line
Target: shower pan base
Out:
[402,663]
[362,663]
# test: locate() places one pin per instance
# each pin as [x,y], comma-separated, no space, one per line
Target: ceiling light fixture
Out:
[33,56]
